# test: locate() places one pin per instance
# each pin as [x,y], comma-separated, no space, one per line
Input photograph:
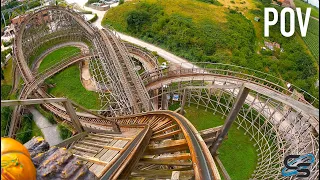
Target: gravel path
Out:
[50,132]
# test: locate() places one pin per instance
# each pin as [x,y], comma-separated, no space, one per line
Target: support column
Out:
[73,116]
[183,103]
[241,97]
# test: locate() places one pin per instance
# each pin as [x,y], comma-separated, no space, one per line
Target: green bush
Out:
[4,53]
[215,2]
[121,2]
[95,17]
[6,113]
[24,134]
[5,90]
[64,132]
[7,43]
[51,119]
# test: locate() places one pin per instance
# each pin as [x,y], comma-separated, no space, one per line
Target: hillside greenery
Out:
[203,32]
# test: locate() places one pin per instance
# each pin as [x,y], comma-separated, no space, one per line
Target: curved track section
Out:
[269,115]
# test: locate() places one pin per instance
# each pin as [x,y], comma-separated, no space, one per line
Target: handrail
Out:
[233,72]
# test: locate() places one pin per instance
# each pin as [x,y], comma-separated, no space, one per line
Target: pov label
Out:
[302,24]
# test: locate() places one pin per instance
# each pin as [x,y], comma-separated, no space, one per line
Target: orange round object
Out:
[16,163]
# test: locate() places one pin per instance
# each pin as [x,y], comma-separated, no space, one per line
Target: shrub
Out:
[64,132]
[7,43]
[95,17]
[4,53]
[24,134]
[5,90]
[6,113]
[121,2]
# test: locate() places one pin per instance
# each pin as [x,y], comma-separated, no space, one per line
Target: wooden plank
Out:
[171,157]
[187,173]
[91,159]
[84,149]
[112,148]
[165,129]
[100,140]
[111,137]
[167,147]
[163,136]
[72,139]
[166,162]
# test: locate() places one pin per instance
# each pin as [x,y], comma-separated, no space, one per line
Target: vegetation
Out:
[46,114]
[237,149]
[7,73]
[64,131]
[5,91]
[24,6]
[6,113]
[216,2]
[58,56]
[24,133]
[208,33]
[303,5]
[4,54]
[68,84]
[7,43]
[312,37]
[95,17]
[121,2]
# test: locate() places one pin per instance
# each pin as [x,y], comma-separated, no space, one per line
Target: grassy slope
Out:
[303,5]
[68,84]
[57,56]
[237,149]
[7,70]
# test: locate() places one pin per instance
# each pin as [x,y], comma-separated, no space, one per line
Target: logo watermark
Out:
[297,165]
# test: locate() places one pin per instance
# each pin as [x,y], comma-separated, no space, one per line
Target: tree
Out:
[136,19]
[2,74]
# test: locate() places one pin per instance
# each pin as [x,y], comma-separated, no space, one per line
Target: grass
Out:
[7,71]
[235,151]
[36,131]
[68,84]
[57,56]
[303,5]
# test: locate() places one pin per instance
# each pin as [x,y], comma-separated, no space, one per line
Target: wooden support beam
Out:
[31,101]
[163,136]
[84,149]
[165,129]
[166,162]
[113,148]
[242,95]
[91,159]
[73,116]
[167,147]
[224,171]
[184,174]
[171,157]
[112,137]
[72,139]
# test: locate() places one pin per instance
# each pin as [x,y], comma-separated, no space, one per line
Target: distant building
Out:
[272,45]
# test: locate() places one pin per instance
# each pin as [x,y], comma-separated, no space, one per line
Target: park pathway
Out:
[49,131]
